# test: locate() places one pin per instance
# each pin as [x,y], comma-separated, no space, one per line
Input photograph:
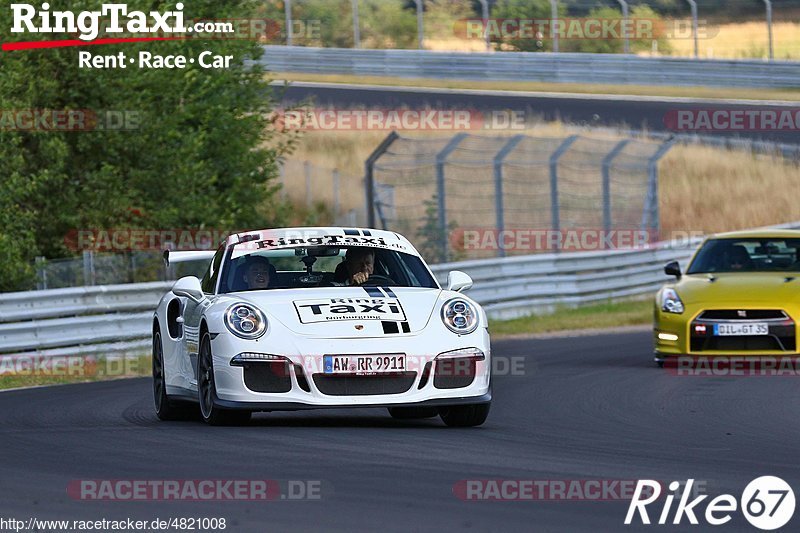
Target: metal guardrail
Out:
[115,319]
[534,66]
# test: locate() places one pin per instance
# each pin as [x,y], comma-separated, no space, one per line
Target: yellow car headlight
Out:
[671,302]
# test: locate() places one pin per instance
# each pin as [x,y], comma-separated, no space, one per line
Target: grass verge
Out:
[596,316]
[788,94]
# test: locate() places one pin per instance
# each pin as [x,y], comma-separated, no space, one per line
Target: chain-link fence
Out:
[474,196]
[93,268]
[684,28]
[317,187]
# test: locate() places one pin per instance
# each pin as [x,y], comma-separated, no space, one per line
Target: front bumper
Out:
[303,391]
[691,333]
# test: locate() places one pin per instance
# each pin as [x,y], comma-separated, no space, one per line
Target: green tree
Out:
[386,24]
[200,152]
[524,10]
[611,45]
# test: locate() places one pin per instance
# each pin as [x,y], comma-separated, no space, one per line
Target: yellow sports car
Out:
[739,296]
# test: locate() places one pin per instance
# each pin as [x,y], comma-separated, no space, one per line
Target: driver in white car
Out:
[356,268]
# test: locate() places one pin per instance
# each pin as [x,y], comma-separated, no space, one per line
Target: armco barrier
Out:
[116,319]
[534,66]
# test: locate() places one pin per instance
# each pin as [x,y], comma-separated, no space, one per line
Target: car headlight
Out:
[671,302]
[460,316]
[463,353]
[245,321]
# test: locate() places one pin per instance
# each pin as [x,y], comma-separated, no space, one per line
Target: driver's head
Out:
[739,258]
[256,272]
[359,260]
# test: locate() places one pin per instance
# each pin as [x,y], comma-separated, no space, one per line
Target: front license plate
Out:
[733,330]
[364,365]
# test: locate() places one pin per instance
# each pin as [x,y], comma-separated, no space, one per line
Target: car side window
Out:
[209,281]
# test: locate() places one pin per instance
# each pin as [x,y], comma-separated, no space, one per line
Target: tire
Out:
[412,413]
[206,391]
[465,415]
[166,409]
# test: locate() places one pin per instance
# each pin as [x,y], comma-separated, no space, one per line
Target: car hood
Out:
[346,312]
[756,288]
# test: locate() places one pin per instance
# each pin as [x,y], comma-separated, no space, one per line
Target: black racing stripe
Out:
[366,233]
[389,292]
[375,292]
[389,327]
[351,232]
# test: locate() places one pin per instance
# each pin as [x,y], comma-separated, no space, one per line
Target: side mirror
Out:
[458,281]
[188,287]
[673,268]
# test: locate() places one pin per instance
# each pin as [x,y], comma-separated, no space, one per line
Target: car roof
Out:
[759,234]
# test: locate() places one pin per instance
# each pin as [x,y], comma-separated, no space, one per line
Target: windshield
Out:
[322,266]
[747,255]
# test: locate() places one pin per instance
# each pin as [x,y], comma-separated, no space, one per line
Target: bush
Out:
[616,46]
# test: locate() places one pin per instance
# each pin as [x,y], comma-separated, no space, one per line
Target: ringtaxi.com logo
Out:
[767,503]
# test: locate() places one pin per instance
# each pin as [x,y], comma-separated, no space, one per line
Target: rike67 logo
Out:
[767,503]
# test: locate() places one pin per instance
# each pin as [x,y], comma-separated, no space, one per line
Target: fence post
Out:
[485,16]
[335,193]
[554,23]
[88,268]
[287,6]
[41,273]
[555,215]
[369,175]
[607,160]
[282,174]
[650,216]
[693,5]
[441,160]
[769,29]
[626,40]
[356,28]
[498,187]
[307,172]
[420,25]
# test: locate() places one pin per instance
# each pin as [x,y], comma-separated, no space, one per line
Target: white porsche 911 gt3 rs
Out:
[309,318]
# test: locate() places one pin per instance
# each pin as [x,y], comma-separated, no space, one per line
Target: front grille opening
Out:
[267,377]
[454,373]
[352,385]
[752,343]
[302,382]
[426,374]
[750,314]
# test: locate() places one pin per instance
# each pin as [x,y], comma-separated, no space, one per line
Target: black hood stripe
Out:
[375,292]
[389,292]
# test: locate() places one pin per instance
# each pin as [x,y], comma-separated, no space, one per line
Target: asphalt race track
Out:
[639,113]
[585,408]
